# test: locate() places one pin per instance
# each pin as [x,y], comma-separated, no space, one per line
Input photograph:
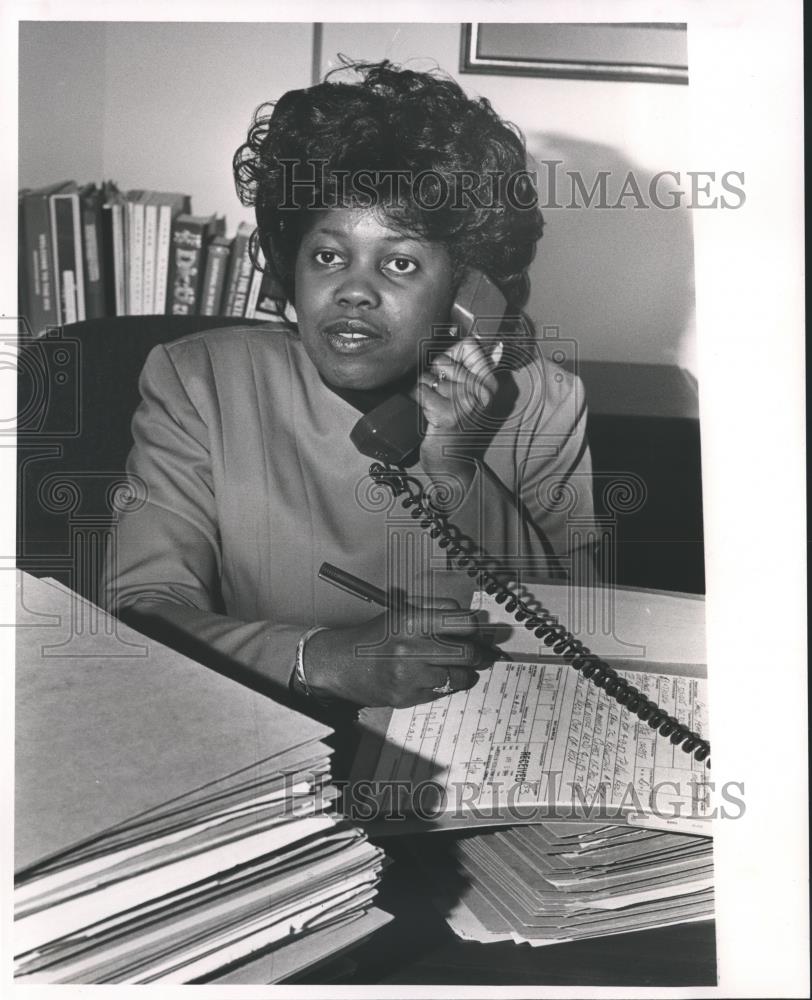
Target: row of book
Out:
[93,251]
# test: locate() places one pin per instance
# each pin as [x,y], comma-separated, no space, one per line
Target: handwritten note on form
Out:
[532,733]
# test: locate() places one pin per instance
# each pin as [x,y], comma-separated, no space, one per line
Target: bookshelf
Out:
[93,251]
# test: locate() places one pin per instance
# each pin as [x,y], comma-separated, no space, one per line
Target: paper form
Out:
[535,734]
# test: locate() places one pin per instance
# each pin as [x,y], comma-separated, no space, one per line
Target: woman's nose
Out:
[357,290]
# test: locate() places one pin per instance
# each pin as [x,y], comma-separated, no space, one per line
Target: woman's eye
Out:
[401,265]
[327,257]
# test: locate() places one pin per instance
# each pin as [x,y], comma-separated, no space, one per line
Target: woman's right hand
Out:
[398,658]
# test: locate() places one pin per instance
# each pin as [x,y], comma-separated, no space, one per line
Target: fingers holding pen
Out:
[414,652]
[445,622]
[403,657]
[431,620]
[451,637]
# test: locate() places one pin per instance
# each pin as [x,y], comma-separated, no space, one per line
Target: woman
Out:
[374,202]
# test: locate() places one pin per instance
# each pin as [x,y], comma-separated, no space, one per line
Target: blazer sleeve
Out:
[531,509]
[164,569]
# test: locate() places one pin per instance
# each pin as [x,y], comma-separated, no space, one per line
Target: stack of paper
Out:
[561,881]
[170,823]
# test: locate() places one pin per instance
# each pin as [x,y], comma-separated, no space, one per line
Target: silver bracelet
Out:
[299,670]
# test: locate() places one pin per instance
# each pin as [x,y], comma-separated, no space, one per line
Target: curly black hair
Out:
[460,171]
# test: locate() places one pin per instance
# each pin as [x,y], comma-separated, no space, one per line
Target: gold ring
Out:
[435,384]
[444,688]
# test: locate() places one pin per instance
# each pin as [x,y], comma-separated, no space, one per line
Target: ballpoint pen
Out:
[355,585]
[374,595]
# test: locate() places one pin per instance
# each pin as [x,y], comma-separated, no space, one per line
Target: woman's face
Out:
[366,296]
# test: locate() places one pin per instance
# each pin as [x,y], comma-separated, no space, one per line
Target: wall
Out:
[179,98]
[620,282]
[149,105]
[61,94]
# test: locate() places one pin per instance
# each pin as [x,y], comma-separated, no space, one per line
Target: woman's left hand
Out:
[457,388]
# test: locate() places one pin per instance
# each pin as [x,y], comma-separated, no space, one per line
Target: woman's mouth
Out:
[351,336]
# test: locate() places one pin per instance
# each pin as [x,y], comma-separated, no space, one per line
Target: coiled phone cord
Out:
[540,621]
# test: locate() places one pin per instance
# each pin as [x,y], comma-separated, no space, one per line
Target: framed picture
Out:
[657,53]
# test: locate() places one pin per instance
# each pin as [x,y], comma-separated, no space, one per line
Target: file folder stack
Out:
[171,824]
[562,881]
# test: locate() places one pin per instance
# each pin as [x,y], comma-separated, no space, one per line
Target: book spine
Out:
[128,228]
[242,281]
[78,256]
[69,290]
[60,311]
[119,268]
[107,255]
[22,262]
[235,263]
[162,250]
[150,240]
[253,294]
[214,279]
[187,253]
[94,259]
[41,301]
[64,235]
[125,255]
[135,219]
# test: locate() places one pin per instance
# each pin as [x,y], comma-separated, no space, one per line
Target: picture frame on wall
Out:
[652,52]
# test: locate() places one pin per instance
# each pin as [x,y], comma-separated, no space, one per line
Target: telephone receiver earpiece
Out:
[477,298]
[393,430]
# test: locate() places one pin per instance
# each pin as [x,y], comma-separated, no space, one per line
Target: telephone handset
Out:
[392,431]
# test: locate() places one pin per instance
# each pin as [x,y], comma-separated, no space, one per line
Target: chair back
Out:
[77,390]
